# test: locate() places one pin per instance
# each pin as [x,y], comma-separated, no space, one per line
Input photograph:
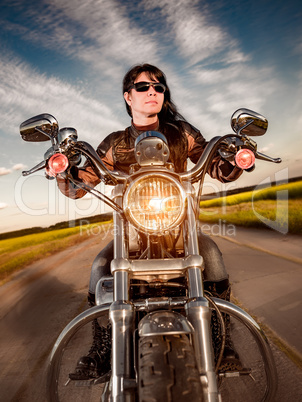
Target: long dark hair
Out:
[169,117]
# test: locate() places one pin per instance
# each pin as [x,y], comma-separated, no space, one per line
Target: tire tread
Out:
[167,370]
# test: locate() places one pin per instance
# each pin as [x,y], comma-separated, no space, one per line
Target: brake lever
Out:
[36,168]
[267,158]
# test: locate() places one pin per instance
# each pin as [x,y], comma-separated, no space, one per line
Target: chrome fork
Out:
[121,314]
[199,314]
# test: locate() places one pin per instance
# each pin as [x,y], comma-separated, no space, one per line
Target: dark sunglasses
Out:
[144,87]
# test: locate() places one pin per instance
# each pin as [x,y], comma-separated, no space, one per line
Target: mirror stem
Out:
[246,125]
[54,145]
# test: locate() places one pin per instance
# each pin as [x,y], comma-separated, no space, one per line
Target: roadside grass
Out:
[17,253]
[279,207]
[285,191]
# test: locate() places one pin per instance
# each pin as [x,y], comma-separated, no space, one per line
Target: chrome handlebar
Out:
[120,177]
[197,169]
[117,177]
[110,177]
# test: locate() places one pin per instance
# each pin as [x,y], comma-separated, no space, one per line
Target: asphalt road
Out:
[41,300]
[268,283]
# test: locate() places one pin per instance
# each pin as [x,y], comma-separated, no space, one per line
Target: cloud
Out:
[19,166]
[218,76]
[241,92]
[235,55]
[208,97]
[267,147]
[98,32]
[4,171]
[196,34]
[25,92]
[106,36]
[106,23]
[110,36]
[297,47]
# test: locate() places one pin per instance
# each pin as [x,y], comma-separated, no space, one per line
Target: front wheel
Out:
[167,370]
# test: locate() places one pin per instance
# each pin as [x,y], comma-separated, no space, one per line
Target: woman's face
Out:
[144,104]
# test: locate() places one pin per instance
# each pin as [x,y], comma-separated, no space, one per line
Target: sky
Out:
[68,58]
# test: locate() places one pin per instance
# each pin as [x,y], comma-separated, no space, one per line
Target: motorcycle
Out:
[160,315]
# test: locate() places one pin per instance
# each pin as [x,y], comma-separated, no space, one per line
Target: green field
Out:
[16,253]
[279,205]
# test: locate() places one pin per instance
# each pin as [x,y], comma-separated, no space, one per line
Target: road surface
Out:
[41,300]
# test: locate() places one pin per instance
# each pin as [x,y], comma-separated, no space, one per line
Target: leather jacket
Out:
[117,153]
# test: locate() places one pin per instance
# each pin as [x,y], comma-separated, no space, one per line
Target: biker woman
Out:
[148,102]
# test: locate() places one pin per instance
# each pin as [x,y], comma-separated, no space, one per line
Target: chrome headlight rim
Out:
[141,178]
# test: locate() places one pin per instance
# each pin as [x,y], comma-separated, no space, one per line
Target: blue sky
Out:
[68,58]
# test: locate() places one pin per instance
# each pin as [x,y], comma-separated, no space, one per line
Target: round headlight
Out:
[155,203]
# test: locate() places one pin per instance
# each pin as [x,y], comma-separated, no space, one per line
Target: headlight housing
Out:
[155,203]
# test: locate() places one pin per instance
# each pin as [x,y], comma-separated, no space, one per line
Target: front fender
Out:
[164,322]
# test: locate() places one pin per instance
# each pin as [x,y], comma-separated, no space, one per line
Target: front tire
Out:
[167,370]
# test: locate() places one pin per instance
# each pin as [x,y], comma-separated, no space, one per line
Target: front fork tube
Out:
[121,315]
[199,314]
[122,318]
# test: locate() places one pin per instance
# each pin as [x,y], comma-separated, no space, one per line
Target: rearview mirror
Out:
[43,127]
[247,122]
